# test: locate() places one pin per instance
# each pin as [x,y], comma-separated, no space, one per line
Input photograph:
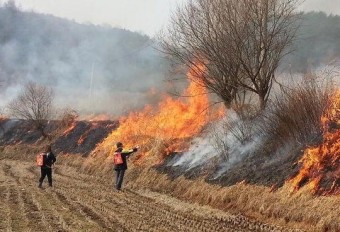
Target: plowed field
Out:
[80,202]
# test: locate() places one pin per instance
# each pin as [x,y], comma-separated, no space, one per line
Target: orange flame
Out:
[70,128]
[321,165]
[167,127]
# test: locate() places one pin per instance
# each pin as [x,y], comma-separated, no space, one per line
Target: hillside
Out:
[91,68]
[83,197]
[94,69]
[316,43]
[81,137]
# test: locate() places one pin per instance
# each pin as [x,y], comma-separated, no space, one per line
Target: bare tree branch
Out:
[232,46]
[35,104]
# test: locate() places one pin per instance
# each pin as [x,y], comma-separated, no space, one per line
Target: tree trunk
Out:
[262,102]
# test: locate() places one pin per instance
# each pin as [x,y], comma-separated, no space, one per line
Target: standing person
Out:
[46,169]
[120,161]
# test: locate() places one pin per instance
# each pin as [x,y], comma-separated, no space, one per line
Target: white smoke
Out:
[220,141]
[233,138]
[93,69]
[201,150]
[7,126]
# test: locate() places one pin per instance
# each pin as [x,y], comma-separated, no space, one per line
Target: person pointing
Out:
[120,163]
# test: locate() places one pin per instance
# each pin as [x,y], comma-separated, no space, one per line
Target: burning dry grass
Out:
[320,165]
[307,116]
[160,130]
[172,121]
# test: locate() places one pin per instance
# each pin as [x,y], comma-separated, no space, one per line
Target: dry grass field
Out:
[283,206]
[83,202]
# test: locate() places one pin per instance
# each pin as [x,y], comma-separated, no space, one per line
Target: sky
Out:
[145,16]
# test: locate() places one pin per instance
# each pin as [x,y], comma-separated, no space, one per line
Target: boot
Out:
[40,185]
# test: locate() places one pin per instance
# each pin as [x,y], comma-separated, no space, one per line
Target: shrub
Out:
[295,114]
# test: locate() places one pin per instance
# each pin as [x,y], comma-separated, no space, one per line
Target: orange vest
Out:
[117,158]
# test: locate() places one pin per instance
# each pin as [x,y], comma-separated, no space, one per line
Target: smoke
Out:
[200,151]
[102,70]
[253,140]
[93,69]
[328,6]
[223,140]
[316,43]
[8,125]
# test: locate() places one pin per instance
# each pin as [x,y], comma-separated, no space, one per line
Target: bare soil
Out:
[82,202]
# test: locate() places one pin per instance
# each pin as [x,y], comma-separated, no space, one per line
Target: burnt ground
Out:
[81,139]
[253,169]
[84,137]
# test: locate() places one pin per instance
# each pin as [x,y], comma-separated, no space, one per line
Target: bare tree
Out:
[192,40]
[235,45]
[263,41]
[34,103]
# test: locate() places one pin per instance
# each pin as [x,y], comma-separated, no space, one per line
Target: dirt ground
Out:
[80,202]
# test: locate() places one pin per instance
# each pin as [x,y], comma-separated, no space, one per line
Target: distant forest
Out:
[99,67]
[317,42]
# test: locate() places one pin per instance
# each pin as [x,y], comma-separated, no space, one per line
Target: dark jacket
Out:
[125,155]
[49,159]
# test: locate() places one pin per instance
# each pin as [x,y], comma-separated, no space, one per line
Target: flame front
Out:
[169,126]
[321,164]
[70,128]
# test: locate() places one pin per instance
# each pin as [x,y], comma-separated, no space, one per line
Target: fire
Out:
[70,128]
[83,137]
[169,126]
[321,165]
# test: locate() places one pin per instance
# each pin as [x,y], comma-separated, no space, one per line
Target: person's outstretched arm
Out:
[130,151]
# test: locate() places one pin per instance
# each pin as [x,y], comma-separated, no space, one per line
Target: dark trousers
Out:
[119,178]
[45,171]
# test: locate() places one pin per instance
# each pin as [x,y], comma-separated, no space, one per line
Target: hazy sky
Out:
[146,16]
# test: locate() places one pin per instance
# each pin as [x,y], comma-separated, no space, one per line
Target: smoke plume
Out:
[93,69]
